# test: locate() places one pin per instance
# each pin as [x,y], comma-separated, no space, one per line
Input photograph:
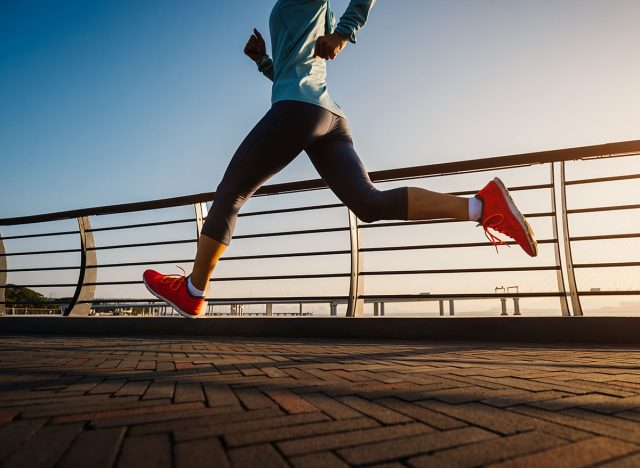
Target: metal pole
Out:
[516,306]
[355,307]
[441,307]
[375,309]
[3,276]
[571,277]
[382,309]
[87,274]
[201,215]
[564,304]
[503,304]
[451,311]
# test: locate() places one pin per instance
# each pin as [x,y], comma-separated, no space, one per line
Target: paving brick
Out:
[150,450]
[330,406]
[582,453]
[108,386]
[132,411]
[419,413]
[96,449]
[378,412]
[44,448]
[252,398]
[488,451]
[257,456]
[220,395]
[524,398]
[330,442]
[188,392]
[201,453]
[13,434]
[390,450]
[136,387]
[581,424]
[201,423]
[246,426]
[291,402]
[318,460]
[298,431]
[159,389]
[632,461]
[485,416]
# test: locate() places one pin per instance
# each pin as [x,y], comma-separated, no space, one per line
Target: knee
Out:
[377,205]
[230,193]
[367,210]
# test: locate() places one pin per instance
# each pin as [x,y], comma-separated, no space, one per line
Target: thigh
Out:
[341,168]
[271,145]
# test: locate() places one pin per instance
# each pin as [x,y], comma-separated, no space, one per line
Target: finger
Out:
[324,52]
[257,33]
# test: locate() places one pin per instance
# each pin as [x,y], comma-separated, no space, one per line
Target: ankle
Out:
[475,209]
[195,290]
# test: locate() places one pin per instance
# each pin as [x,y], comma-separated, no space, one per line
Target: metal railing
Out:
[567,291]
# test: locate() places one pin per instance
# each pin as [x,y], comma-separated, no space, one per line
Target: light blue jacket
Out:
[295,25]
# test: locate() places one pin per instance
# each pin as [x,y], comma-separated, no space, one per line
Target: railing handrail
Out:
[472,165]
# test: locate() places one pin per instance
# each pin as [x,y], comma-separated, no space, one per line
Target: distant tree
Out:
[16,294]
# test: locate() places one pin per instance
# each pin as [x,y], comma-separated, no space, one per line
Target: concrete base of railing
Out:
[614,330]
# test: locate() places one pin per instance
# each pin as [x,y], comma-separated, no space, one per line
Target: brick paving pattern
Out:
[138,402]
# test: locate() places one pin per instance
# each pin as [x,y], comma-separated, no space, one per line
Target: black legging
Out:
[287,129]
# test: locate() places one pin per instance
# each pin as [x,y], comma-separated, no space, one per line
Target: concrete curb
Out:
[614,330]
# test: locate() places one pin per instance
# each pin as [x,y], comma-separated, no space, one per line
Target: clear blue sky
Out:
[113,101]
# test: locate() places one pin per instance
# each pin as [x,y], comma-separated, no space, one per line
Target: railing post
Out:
[516,306]
[503,305]
[571,277]
[87,274]
[355,308]
[201,215]
[564,304]
[441,302]
[3,276]
[451,309]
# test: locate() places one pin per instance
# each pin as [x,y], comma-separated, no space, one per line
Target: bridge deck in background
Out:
[220,401]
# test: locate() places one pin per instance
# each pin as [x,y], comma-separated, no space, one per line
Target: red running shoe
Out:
[173,290]
[500,213]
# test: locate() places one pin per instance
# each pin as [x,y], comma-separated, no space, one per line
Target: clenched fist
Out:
[329,46]
[255,48]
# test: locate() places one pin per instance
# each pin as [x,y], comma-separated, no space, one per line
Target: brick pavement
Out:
[136,402]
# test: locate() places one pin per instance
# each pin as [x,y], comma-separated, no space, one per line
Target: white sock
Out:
[192,289]
[475,209]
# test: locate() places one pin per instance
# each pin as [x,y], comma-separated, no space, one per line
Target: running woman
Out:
[303,117]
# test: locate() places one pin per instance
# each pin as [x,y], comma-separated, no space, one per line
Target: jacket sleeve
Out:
[354,18]
[265,66]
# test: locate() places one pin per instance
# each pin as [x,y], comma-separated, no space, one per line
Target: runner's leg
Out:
[274,142]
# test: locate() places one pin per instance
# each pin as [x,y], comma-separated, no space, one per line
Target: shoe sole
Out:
[519,216]
[180,311]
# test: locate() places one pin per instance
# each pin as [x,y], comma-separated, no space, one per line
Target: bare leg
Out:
[207,256]
[425,204]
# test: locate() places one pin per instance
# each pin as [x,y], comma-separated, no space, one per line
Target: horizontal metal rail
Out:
[501,162]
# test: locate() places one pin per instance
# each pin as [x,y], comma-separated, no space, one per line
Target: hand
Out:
[328,47]
[255,48]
